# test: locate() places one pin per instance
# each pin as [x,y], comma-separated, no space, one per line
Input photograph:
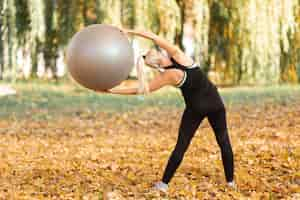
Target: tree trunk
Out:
[2,26]
[11,39]
[169,19]
[37,36]
[23,29]
[110,12]
[290,41]
[51,38]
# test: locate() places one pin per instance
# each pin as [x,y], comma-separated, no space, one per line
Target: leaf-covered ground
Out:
[119,155]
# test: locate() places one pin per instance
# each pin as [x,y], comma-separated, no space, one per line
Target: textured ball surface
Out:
[99,57]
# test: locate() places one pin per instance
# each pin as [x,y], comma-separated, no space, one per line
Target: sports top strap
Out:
[177,65]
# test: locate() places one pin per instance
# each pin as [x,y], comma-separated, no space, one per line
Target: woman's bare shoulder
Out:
[174,74]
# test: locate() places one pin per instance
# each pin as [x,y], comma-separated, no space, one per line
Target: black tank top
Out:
[199,93]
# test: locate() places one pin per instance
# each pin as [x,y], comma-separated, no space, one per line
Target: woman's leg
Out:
[217,121]
[189,123]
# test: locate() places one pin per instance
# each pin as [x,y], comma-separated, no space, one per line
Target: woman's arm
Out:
[169,77]
[171,49]
[164,44]
[127,91]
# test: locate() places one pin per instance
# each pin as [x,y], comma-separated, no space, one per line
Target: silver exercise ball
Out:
[100,57]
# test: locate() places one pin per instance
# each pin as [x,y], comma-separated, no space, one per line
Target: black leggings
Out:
[189,123]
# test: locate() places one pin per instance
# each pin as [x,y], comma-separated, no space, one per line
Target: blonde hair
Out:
[153,58]
[142,78]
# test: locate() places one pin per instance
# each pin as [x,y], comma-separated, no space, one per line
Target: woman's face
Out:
[155,58]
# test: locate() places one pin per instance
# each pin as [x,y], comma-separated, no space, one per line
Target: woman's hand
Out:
[103,91]
[124,91]
[127,31]
[145,34]
[124,30]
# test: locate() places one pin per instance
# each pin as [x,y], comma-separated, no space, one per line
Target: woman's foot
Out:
[161,186]
[231,184]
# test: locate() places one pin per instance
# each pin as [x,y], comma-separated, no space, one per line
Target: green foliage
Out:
[11,39]
[1,39]
[68,20]
[219,12]
[236,42]
[54,98]
[22,20]
[127,13]
[298,71]
[110,11]
[153,21]
[89,11]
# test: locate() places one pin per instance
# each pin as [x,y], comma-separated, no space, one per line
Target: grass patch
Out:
[45,100]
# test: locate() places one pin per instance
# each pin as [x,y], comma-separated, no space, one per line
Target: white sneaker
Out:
[231,184]
[161,186]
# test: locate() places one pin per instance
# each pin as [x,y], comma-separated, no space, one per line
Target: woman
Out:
[201,98]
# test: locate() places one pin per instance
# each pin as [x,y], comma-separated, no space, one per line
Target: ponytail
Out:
[142,78]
